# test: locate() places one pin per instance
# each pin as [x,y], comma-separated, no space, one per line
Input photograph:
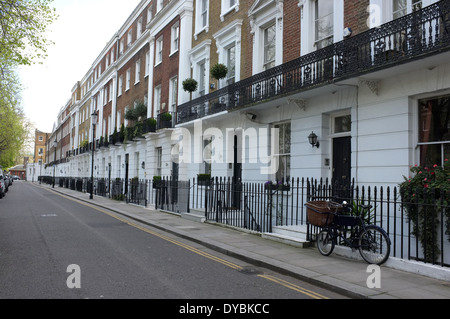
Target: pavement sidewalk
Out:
[342,275]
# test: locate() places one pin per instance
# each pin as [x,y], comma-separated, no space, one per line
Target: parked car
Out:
[2,185]
[16,178]
[5,181]
[9,179]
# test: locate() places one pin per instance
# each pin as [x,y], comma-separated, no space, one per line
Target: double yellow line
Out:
[291,286]
[279,281]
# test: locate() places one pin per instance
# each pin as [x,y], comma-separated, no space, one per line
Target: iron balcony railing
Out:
[412,37]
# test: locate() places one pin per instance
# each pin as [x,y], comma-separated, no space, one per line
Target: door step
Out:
[290,235]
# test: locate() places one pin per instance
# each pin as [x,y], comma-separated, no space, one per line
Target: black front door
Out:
[342,161]
[127,166]
[175,174]
[237,174]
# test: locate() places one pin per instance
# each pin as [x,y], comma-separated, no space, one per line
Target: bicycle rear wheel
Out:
[325,242]
[374,245]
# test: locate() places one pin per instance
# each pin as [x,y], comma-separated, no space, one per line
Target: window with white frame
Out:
[128,80]
[401,8]
[157,100]
[228,42]
[323,23]
[202,78]
[110,91]
[158,161]
[434,133]
[173,94]
[227,6]
[120,86]
[147,63]
[207,155]
[284,152]
[138,72]
[150,14]
[105,95]
[139,27]
[202,16]
[159,50]
[119,118]
[269,47]
[200,56]
[175,43]
[159,5]
[388,10]
[125,116]
[231,64]
[129,38]
[121,46]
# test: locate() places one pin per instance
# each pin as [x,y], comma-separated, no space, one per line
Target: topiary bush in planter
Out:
[219,71]
[190,85]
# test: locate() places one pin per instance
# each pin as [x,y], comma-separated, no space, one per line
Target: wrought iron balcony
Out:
[420,34]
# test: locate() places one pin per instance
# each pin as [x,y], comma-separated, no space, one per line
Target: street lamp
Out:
[55,144]
[94,118]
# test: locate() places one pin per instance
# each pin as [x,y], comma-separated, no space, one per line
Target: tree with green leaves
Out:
[23,27]
[23,41]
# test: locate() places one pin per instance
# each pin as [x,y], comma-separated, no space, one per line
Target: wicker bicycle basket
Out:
[321,213]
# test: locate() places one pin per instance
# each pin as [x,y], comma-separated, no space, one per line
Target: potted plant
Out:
[190,85]
[150,125]
[114,136]
[121,136]
[166,120]
[83,146]
[219,71]
[157,182]
[131,115]
[140,110]
[138,131]
[105,141]
[204,179]
[280,186]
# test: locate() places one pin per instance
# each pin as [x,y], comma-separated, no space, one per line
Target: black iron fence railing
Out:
[414,36]
[419,229]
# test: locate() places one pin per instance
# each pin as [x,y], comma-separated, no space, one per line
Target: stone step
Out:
[195,215]
[291,235]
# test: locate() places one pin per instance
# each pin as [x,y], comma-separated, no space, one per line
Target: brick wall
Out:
[356,15]
[291,27]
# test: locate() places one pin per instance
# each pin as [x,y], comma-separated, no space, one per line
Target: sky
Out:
[81,32]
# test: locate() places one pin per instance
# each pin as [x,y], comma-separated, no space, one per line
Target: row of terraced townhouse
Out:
[369,79]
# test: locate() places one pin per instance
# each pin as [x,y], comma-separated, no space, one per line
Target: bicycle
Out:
[372,241]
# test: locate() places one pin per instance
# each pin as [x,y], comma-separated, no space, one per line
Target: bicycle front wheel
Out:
[374,245]
[325,242]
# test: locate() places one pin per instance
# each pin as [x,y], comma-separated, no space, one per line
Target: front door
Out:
[127,166]
[237,175]
[342,161]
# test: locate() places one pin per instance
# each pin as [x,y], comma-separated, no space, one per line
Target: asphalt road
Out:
[54,247]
